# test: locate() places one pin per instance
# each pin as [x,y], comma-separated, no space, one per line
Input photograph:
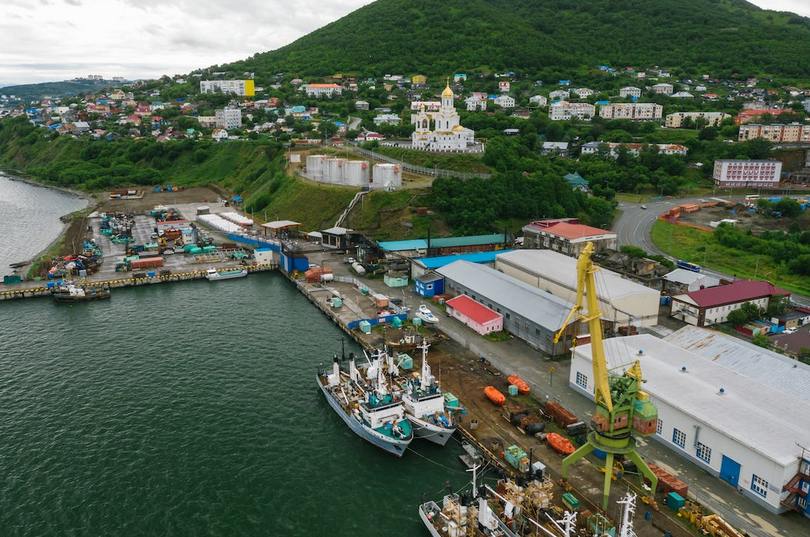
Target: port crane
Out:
[623,410]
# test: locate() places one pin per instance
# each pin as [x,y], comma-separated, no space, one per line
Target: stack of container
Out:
[667,482]
[237,219]
[561,415]
[517,458]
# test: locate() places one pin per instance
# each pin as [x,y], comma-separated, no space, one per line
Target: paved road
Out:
[634,227]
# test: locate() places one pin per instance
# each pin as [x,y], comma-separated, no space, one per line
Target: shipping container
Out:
[151,262]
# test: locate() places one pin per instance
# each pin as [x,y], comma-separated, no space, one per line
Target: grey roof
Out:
[529,302]
[766,367]
[765,419]
[688,277]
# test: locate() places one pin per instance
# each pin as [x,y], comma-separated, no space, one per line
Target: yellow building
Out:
[418,80]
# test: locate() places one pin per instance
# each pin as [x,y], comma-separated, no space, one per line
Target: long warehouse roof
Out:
[525,300]
[763,418]
[762,365]
[562,269]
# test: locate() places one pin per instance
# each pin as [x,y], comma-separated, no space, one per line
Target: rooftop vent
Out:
[722,391]
[683,369]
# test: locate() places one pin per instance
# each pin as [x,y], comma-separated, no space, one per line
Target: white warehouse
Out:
[622,301]
[717,411]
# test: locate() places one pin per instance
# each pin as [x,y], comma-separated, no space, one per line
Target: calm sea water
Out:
[29,219]
[188,410]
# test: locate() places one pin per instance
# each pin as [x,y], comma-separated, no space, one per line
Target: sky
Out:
[47,40]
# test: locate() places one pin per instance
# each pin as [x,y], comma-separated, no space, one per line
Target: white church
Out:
[441,131]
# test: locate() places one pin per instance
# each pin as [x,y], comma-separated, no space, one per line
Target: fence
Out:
[421,170]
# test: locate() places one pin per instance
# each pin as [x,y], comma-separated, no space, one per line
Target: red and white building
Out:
[322,90]
[474,314]
[713,304]
[733,173]
[566,235]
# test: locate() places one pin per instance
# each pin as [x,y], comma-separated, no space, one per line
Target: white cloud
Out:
[59,39]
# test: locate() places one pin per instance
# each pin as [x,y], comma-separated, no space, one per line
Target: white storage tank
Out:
[315,166]
[387,176]
[334,170]
[356,173]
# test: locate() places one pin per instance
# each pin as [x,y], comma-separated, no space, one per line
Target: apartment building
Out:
[632,111]
[779,133]
[243,88]
[564,110]
[733,173]
[709,119]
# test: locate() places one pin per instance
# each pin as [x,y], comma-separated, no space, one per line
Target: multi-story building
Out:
[663,89]
[504,101]
[323,90]
[559,95]
[582,93]
[792,133]
[630,91]
[564,110]
[386,119]
[538,100]
[229,118]
[633,111]
[710,119]
[476,101]
[712,305]
[243,88]
[732,173]
[566,235]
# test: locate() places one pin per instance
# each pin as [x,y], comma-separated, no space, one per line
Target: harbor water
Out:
[191,409]
[29,219]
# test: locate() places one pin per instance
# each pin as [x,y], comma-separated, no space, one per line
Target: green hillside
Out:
[547,37]
[65,88]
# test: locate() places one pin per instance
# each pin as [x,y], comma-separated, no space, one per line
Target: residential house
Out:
[559,95]
[633,149]
[559,149]
[323,90]
[219,135]
[476,101]
[663,89]
[504,86]
[361,105]
[387,119]
[582,93]
[630,92]
[682,95]
[505,101]
[538,100]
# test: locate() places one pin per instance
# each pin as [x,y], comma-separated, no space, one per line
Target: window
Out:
[582,380]
[659,426]
[678,438]
[704,453]
[759,485]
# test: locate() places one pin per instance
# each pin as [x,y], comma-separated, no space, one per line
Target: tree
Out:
[761,340]
[709,133]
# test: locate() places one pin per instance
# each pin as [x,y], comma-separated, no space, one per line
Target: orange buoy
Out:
[560,444]
[522,386]
[494,395]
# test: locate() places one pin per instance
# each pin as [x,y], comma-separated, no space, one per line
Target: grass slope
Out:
[701,247]
[426,36]
[468,163]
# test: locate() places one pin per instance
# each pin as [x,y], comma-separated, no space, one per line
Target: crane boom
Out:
[586,291]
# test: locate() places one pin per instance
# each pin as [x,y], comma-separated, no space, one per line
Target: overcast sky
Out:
[42,40]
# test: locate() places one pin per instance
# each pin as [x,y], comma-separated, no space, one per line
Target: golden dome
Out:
[447,91]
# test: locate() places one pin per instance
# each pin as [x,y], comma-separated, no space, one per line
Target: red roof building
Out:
[475,315]
[566,235]
[713,304]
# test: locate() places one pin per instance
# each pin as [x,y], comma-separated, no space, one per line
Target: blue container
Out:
[50,285]
[599,454]
[151,274]
[675,501]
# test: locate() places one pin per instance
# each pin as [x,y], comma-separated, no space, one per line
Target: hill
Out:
[546,37]
[65,88]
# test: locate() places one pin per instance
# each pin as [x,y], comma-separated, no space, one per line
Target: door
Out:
[730,471]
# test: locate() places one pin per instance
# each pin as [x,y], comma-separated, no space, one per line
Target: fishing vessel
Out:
[366,405]
[71,292]
[425,405]
[426,315]
[214,275]
[504,511]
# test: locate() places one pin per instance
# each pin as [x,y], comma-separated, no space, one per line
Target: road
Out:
[634,227]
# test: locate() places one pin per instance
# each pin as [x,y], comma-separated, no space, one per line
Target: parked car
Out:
[644,207]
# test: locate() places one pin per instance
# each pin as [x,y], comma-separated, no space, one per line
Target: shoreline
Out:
[89,200]
[17,175]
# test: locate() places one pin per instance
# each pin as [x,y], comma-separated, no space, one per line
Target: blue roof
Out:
[443,242]
[476,257]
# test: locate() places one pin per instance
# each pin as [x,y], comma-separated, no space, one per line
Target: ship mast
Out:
[427,377]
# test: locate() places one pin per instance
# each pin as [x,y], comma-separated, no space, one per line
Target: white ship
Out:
[425,405]
[214,275]
[368,408]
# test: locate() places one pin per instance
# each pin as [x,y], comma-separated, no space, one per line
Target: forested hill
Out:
[548,37]
[64,88]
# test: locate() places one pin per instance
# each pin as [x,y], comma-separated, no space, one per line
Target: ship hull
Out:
[391,445]
[429,431]
[226,276]
[426,521]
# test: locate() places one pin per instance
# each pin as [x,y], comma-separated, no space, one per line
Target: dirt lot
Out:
[150,199]
[756,222]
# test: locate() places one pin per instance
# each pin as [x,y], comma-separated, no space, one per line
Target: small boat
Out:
[79,293]
[560,444]
[522,386]
[425,404]
[215,275]
[426,315]
[368,408]
[494,395]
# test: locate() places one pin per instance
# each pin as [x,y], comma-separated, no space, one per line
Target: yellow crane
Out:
[623,410]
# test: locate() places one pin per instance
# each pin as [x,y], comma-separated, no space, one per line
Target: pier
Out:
[17,291]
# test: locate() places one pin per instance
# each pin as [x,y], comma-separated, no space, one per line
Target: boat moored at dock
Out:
[71,292]
[366,405]
[214,275]
[425,405]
